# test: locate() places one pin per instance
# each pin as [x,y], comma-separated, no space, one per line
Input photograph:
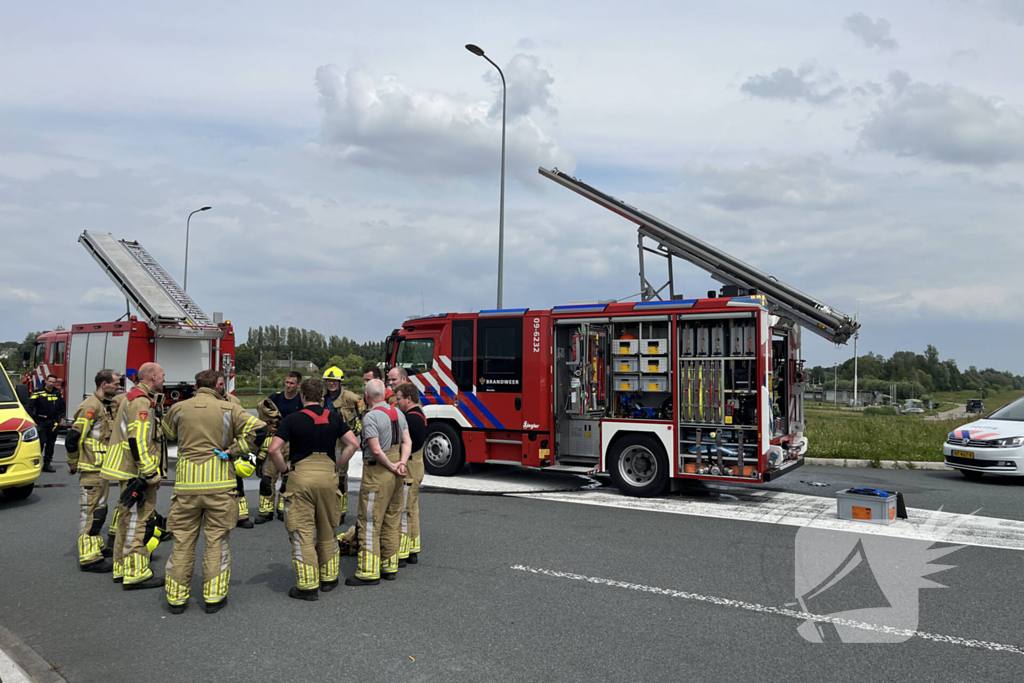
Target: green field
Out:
[851,434]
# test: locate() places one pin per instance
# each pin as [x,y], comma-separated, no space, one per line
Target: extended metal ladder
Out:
[789,301]
[144,282]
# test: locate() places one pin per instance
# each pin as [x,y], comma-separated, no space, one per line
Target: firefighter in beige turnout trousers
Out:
[346,403]
[320,441]
[206,426]
[136,460]
[236,452]
[113,487]
[287,402]
[386,450]
[409,403]
[86,444]
[268,412]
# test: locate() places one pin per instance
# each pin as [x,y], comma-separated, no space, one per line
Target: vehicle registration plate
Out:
[963,454]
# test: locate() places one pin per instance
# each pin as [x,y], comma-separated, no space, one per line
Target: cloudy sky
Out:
[868,153]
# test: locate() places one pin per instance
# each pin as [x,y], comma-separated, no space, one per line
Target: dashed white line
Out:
[778,611]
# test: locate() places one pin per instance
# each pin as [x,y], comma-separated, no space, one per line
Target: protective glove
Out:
[134,492]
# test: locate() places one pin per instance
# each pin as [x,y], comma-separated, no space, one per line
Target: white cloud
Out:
[30,166]
[944,123]
[873,33]
[803,84]
[382,123]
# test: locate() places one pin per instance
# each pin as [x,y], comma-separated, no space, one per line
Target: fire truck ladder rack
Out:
[790,302]
[144,282]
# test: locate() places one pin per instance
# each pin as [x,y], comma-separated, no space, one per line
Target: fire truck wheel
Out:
[442,451]
[638,465]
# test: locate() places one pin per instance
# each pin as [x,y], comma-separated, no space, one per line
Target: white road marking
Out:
[793,509]
[10,672]
[778,611]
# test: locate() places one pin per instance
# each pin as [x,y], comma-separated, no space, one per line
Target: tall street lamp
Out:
[205,208]
[501,214]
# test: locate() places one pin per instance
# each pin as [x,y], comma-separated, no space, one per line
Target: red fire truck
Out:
[646,391]
[173,331]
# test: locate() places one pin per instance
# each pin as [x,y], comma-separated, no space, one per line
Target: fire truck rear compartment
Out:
[718,406]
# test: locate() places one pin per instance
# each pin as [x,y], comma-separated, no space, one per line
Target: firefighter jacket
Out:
[237,448]
[137,420]
[347,404]
[87,439]
[202,425]
[46,407]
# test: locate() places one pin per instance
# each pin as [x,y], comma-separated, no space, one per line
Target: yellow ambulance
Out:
[20,461]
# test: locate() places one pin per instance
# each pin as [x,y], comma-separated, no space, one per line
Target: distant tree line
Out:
[917,374]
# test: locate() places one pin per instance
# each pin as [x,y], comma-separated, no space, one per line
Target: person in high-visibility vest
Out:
[319,442]
[86,444]
[205,480]
[346,403]
[386,450]
[136,459]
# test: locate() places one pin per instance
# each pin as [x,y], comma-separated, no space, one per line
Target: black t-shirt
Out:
[287,406]
[306,437]
[417,427]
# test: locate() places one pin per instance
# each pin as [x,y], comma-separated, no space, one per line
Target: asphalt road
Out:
[687,607]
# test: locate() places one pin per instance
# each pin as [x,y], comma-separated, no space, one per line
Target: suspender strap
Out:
[321,419]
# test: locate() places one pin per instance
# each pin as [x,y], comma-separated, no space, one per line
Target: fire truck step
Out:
[572,469]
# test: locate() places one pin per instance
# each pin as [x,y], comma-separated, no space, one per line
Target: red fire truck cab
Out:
[645,391]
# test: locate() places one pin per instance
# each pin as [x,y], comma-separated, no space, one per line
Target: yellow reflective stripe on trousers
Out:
[177,594]
[216,589]
[212,474]
[329,571]
[307,577]
[149,464]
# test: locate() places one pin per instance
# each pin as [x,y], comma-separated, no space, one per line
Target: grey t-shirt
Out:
[377,423]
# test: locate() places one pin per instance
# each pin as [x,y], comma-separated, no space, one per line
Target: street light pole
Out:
[501,211]
[187,221]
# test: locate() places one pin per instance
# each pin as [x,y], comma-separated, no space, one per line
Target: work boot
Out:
[118,579]
[328,586]
[280,515]
[244,523]
[177,609]
[151,582]
[100,567]
[413,558]
[356,581]
[47,467]
[402,563]
[299,594]
[390,576]
[214,607]
[263,519]
[108,551]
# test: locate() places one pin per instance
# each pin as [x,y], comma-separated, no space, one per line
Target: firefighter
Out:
[320,442]
[409,403]
[86,444]
[386,450]
[287,402]
[373,372]
[46,408]
[114,487]
[136,460]
[243,505]
[267,412]
[206,426]
[340,400]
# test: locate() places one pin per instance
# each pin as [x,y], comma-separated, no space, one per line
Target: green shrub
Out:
[885,410]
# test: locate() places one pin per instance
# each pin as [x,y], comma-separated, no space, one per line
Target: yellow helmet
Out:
[334,372]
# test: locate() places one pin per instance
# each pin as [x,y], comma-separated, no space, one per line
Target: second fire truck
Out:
[647,391]
[173,331]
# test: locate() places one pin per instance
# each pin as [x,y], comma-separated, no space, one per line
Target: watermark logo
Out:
[864,579]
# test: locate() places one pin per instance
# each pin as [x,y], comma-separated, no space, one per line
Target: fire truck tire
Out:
[442,451]
[638,465]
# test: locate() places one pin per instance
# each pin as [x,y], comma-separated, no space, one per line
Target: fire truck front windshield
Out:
[415,355]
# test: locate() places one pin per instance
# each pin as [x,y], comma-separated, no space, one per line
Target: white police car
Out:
[992,444]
